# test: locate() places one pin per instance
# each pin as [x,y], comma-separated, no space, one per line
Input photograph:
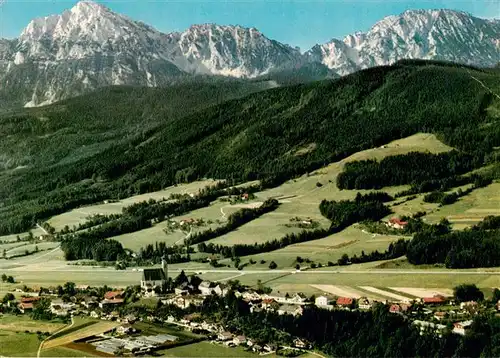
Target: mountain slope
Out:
[90,46]
[270,135]
[71,130]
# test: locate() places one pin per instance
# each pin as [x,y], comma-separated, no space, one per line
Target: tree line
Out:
[411,168]
[234,221]
[137,217]
[369,207]
[478,246]
[342,214]
[449,198]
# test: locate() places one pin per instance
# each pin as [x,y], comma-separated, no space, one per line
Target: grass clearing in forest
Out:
[470,209]
[79,215]
[299,197]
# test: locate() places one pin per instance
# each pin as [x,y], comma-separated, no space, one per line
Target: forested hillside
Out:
[271,135]
[84,126]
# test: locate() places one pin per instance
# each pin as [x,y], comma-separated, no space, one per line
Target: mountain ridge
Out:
[90,46]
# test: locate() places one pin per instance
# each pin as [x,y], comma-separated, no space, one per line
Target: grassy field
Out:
[152,329]
[472,208]
[351,241]
[136,240]
[79,323]
[63,352]
[18,344]
[301,197]
[206,349]
[302,282]
[19,250]
[23,323]
[76,216]
[36,232]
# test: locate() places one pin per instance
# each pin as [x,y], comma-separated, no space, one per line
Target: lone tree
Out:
[464,293]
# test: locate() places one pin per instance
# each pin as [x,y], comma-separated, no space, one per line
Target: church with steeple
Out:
[156,277]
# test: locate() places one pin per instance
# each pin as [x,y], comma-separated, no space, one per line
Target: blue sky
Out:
[300,23]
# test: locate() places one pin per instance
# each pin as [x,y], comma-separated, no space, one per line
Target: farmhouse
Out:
[461,327]
[397,223]
[344,301]
[207,288]
[27,303]
[113,295]
[364,304]
[125,329]
[239,340]
[112,298]
[225,336]
[435,300]
[152,278]
[321,301]
[89,302]
[301,343]
[189,221]
[294,310]
[425,326]
[439,315]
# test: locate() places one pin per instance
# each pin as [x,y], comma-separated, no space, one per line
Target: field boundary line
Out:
[53,334]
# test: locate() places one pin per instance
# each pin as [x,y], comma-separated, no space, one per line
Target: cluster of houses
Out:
[186,295]
[83,304]
[407,308]
[232,340]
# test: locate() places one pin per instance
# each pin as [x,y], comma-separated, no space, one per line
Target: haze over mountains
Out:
[90,46]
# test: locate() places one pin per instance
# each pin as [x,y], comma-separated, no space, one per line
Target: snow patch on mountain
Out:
[90,46]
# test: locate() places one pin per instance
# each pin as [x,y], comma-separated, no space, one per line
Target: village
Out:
[435,314]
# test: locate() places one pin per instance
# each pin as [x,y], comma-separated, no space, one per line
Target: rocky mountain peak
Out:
[89,46]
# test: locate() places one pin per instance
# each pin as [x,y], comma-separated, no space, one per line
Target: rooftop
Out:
[156,274]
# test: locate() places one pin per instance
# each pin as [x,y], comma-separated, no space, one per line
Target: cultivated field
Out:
[21,249]
[136,240]
[36,232]
[87,331]
[64,351]
[422,292]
